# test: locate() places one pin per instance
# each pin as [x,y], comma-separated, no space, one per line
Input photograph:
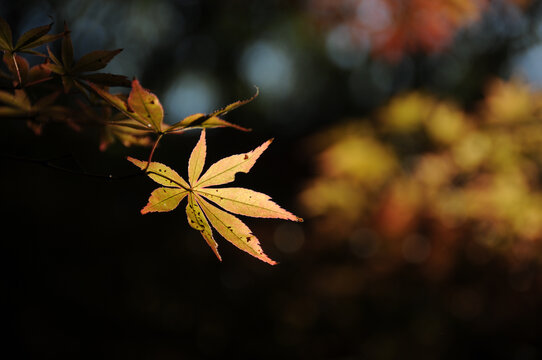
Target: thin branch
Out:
[50,163]
[17,68]
[152,151]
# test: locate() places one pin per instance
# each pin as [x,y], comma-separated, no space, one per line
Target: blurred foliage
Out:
[429,167]
[392,29]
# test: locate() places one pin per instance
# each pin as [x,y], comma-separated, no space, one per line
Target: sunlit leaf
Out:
[146,105]
[196,219]
[197,160]
[211,120]
[234,105]
[161,173]
[143,106]
[246,202]
[164,199]
[203,121]
[200,212]
[234,230]
[223,171]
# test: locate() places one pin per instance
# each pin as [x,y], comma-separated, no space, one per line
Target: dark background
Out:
[86,276]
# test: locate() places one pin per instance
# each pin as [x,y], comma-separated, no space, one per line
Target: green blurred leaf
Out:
[6,37]
[32,35]
[94,61]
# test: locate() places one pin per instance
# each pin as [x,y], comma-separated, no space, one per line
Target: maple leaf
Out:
[18,105]
[201,209]
[24,44]
[142,106]
[145,109]
[28,41]
[211,120]
[22,73]
[73,72]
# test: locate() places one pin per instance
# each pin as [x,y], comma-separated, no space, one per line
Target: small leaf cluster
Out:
[75,91]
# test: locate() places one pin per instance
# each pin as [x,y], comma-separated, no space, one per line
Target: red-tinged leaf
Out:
[35,127]
[161,173]
[234,105]
[233,230]
[38,73]
[17,65]
[223,171]
[6,38]
[120,104]
[146,105]
[95,60]
[246,202]
[105,79]
[197,159]
[197,220]
[164,199]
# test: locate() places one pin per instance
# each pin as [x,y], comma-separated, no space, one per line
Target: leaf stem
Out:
[17,69]
[149,160]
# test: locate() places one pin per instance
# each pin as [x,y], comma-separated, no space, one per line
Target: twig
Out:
[50,163]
